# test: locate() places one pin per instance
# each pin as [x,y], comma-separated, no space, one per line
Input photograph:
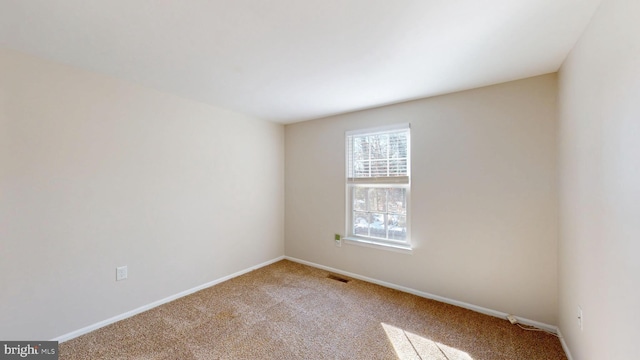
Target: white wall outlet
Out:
[121,273]
[512,319]
[338,240]
[580,317]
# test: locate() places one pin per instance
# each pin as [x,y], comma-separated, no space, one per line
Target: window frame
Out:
[389,182]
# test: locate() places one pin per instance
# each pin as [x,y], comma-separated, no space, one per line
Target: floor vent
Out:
[333,277]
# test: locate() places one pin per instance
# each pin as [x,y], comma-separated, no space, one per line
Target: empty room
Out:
[307,179]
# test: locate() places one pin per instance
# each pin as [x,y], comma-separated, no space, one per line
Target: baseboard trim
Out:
[128,314]
[480,309]
[565,347]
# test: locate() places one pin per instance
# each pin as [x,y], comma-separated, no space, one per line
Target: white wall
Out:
[484,197]
[600,186]
[97,173]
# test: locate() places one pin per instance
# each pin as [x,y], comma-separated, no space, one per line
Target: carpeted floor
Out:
[291,311]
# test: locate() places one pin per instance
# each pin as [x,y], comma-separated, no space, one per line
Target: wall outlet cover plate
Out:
[121,273]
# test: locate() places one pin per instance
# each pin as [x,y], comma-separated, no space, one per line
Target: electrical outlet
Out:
[338,239]
[580,317]
[121,273]
[512,319]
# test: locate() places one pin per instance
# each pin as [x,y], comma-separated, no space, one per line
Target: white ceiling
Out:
[293,60]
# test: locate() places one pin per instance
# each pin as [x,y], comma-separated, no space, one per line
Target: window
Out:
[378,183]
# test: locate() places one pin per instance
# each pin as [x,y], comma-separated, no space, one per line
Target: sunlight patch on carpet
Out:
[411,346]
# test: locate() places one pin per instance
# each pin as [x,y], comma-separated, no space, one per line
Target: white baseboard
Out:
[144,308]
[565,347]
[499,314]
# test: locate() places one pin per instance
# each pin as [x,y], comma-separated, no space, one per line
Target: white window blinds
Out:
[381,156]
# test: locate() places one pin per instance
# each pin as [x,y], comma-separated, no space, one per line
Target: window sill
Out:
[405,249]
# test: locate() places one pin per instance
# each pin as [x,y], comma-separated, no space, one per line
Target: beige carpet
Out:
[291,311]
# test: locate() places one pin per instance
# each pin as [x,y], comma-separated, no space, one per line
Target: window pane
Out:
[379,168]
[361,168]
[379,146]
[361,223]
[360,199]
[378,226]
[377,200]
[360,148]
[397,201]
[397,146]
[378,155]
[398,167]
[397,227]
